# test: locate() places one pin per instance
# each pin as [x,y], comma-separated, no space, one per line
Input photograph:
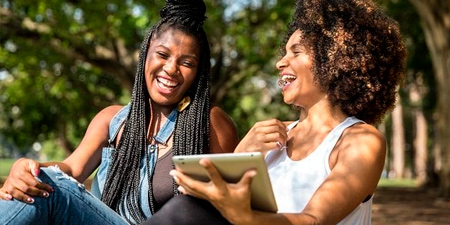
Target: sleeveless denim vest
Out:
[163,135]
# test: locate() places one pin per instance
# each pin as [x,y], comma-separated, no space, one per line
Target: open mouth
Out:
[285,80]
[166,84]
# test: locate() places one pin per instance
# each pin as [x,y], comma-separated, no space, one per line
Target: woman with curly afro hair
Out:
[341,66]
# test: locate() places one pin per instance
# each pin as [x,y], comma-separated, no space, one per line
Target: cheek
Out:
[189,78]
[147,68]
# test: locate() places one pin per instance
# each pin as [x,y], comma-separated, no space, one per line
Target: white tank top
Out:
[294,182]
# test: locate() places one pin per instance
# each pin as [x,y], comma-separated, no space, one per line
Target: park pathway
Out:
[409,206]
[404,206]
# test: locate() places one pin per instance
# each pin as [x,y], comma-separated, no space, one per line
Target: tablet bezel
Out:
[232,166]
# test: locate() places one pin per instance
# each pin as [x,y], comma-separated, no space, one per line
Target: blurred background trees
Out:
[63,61]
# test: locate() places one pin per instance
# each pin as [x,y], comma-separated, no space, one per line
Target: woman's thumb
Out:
[34,167]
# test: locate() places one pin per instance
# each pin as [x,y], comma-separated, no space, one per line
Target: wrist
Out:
[244,219]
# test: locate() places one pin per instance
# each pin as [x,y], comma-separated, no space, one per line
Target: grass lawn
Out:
[400,183]
[5,166]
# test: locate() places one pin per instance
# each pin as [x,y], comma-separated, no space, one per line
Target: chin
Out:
[287,101]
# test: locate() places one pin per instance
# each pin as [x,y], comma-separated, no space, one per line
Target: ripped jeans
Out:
[69,203]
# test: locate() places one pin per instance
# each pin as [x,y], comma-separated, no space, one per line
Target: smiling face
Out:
[171,66]
[295,70]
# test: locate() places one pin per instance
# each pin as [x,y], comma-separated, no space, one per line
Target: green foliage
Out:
[52,152]
[245,85]
[51,81]
[419,66]
[63,61]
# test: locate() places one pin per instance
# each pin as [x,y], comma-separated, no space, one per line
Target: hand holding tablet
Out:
[232,166]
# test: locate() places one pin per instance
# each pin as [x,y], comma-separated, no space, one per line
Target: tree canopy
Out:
[62,61]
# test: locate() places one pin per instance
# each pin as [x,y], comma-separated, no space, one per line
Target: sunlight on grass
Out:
[5,166]
[404,183]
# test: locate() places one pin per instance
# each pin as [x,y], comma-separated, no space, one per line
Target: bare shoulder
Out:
[108,113]
[224,135]
[220,118]
[363,141]
[111,110]
[363,134]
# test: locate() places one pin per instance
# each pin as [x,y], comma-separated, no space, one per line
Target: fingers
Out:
[21,196]
[196,188]
[212,172]
[34,167]
[24,191]
[229,198]
[44,189]
[264,136]
[4,195]
[22,182]
[247,178]
[186,183]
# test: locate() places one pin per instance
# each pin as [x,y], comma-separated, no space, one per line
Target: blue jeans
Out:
[69,203]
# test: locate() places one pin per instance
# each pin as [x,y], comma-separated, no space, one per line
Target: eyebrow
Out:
[296,45]
[184,55]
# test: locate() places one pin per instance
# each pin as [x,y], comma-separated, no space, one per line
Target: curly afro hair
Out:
[357,53]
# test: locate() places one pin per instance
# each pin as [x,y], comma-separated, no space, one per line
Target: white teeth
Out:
[285,80]
[288,78]
[166,82]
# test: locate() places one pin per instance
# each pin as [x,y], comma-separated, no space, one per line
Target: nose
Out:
[281,64]
[170,67]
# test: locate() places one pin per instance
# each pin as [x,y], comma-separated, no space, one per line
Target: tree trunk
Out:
[398,142]
[435,20]
[416,90]
[420,146]
[62,140]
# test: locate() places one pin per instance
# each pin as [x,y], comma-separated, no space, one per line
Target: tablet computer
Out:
[232,166]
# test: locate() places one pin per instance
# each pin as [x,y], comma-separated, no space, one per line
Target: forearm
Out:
[263,218]
[62,166]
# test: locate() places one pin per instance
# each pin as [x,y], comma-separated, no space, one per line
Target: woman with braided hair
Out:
[341,66]
[169,114]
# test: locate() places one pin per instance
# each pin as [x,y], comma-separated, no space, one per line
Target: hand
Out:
[232,200]
[264,136]
[22,184]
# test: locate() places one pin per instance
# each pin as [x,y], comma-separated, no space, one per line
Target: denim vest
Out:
[107,152]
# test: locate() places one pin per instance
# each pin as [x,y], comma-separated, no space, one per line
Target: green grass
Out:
[399,183]
[6,163]
[5,166]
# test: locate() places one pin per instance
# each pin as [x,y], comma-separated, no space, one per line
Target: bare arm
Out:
[224,136]
[355,172]
[356,169]
[21,183]
[86,157]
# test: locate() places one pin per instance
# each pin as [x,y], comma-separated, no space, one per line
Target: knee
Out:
[54,176]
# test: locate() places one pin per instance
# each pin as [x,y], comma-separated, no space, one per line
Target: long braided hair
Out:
[191,134]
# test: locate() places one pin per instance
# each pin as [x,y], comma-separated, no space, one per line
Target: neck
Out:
[159,115]
[321,115]
[160,111]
